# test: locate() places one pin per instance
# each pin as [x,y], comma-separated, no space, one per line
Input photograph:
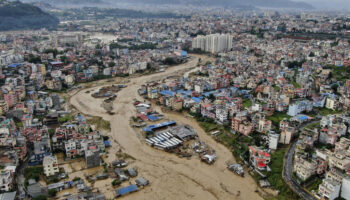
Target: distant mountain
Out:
[220,3]
[17,16]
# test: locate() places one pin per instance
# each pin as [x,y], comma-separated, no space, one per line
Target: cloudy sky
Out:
[329,4]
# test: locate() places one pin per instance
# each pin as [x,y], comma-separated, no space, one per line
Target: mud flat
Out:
[170,177]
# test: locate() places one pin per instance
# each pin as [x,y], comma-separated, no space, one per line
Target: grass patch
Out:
[208,126]
[314,185]
[65,119]
[277,118]
[246,103]
[275,176]
[326,111]
[295,84]
[100,123]
[313,125]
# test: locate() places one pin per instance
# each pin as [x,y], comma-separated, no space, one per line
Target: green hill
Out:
[18,16]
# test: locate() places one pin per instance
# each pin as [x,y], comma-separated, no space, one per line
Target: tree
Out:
[211,97]
[169,61]
[40,197]
[52,192]
[111,64]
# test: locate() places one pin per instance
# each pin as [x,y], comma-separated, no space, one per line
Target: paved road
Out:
[288,175]
[288,169]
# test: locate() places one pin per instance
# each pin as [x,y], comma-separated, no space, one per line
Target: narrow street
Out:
[288,170]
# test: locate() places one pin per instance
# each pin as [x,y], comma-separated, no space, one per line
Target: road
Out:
[171,177]
[288,171]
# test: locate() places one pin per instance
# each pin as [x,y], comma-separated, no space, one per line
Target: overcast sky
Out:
[329,4]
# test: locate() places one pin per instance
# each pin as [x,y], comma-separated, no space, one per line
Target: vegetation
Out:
[133,47]
[246,103]
[277,118]
[169,61]
[16,16]
[40,197]
[76,179]
[100,123]
[52,192]
[65,119]
[339,73]
[295,84]
[33,173]
[275,176]
[326,111]
[116,182]
[296,64]
[313,125]
[314,184]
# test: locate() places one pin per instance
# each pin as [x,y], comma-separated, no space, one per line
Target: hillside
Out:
[225,3]
[18,16]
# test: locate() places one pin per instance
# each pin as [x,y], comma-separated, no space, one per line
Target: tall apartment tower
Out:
[214,43]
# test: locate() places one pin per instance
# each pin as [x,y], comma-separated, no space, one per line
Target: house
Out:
[339,160]
[329,189]
[287,135]
[8,196]
[125,190]
[264,125]
[300,107]
[221,115]
[6,180]
[242,125]
[50,165]
[34,189]
[42,148]
[259,157]
[303,168]
[332,103]
[92,158]
[141,182]
[345,188]
[273,140]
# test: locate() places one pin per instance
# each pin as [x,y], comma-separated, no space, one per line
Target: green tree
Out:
[52,192]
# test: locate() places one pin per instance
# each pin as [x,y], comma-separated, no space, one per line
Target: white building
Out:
[50,165]
[214,43]
[273,140]
[299,107]
[329,189]
[221,115]
[6,180]
[345,188]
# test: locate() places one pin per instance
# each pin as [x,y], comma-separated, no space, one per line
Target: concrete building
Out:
[273,140]
[214,43]
[6,181]
[345,188]
[50,165]
[92,158]
[286,135]
[299,107]
[329,189]
[304,169]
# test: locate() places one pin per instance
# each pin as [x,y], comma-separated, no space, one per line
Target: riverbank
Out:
[171,177]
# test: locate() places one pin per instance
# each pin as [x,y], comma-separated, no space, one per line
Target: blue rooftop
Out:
[14,65]
[167,93]
[127,189]
[150,128]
